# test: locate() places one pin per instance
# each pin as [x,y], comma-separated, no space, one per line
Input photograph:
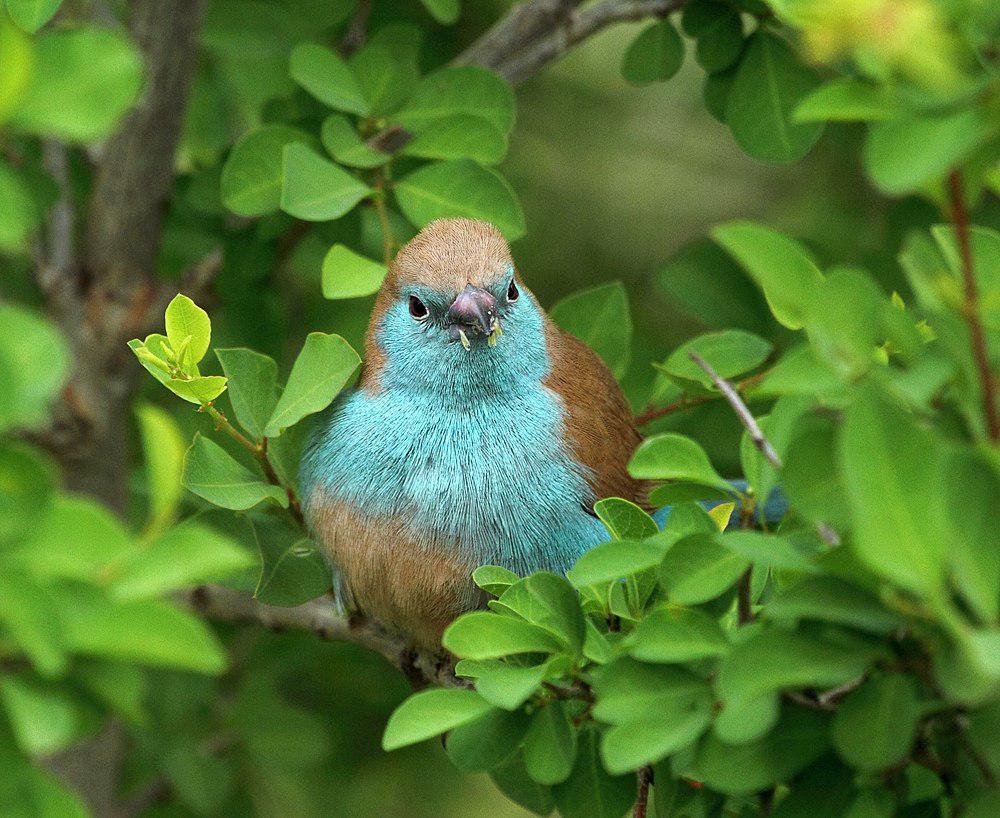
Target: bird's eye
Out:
[417,308]
[512,291]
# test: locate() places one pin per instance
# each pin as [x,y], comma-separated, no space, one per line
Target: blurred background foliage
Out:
[617,182]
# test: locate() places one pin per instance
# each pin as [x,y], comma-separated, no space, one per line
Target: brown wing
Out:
[599,427]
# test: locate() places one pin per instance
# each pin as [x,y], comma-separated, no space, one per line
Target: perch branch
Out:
[827,534]
[534,34]
[321,617]
[970,309]
[644,778]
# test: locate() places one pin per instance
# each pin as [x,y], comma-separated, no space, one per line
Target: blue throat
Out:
[465,447]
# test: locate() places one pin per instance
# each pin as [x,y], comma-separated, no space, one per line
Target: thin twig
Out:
[388,240]
[357,29]
[970,309]
[644,777]
[684,403]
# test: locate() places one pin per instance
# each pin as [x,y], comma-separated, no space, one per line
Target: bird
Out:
[479,433]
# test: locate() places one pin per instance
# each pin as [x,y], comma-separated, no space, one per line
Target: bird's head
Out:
[453,314]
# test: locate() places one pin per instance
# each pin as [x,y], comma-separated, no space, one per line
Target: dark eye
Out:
[512,291]
[417,308]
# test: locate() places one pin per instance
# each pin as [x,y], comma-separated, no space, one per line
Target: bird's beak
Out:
[473,312]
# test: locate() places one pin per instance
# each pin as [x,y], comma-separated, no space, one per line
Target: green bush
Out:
[843,660]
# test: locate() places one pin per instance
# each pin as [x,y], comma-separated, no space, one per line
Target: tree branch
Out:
[970,309]
[534,33]
[321,617]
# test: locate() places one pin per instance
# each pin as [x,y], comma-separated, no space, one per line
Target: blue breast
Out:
[466,447]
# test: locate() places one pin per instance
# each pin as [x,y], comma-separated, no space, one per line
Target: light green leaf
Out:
[549,601]
[875,726]
[201,390]
[656,54]
[697,569]
[251,176]
[624,520]
[327,77]
[493,579]
[30,618]
[501,684]
[44,717]
[550,745]
[780,266]
[454,90]
[342,142]
[212,474]
[485,635]
[347,274]
[31,15]
[445,12]
[314,189]
[828,599]
[843,321]
[460,188]
[903,154]
[252,379]
[386,75]
[599,317]
[431,713]
[21,212]
[767,550]
[186,555]
[846,99]
[730,353]
[460,136]
[28,479]
[630,746]
[674,457]
[34,364]
[185,319]
[83,80]
[163,450]
[677,635]
[768,86]
[628,691]
[325,365]
[616,559]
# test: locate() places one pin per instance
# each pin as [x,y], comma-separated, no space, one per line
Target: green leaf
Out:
[775,659]
[445,12]
[21,213]
[630,746]
[745,720]
[875,726]
[487,742]
[768,550]
[740,769]
[624,520]
[431,713]
[460,188]
[628,691]
[292,569]
[811,475]
[251,176]
[325,365]
[347,274]
[698,569]
[827,599]
[889,466]
[327,77]
[655,55]
[501,684]
[800,371]
[31,15]
[44,717]
[599,317]
[720,43]
[34,364]
[549,601]
[314,189]
[616,559]
[186,555]
[163,450]
[513,780]
[590,792]
[386,75]
[212,474]
[30,618]
[493,579]
[147,632]
[901,155]
[780,266]
[677,635]
[672,456]
[253,387]
[185,319]
[83,80]
[201,390]
[459,136]
[484,635]
[715,93]
[550,745]
[342,142]
[454,90]
[846,99]
[843,321]
[28,479]
[768,86]
[730,353]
